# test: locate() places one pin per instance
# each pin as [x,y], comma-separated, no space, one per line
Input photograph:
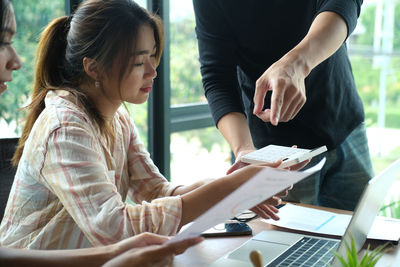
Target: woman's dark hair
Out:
[103,30]
[5,14]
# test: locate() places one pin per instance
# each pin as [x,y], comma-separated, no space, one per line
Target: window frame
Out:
[71,5]
[163,120]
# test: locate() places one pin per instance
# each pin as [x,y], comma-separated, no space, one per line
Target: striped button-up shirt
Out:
[65,196]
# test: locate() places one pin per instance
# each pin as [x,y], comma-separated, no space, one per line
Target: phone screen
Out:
[228,229]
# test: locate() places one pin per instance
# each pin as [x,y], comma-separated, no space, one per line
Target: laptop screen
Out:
[367,208]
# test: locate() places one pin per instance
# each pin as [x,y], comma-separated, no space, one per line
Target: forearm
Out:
[201,199]
[233,126]
[180,190]
[326,34]
[79,257]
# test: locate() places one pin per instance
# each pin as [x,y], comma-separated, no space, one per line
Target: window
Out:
[196,152]
[186,85]
[374,50]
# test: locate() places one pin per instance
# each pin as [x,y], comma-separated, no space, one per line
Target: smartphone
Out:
[289,155]
[228,229]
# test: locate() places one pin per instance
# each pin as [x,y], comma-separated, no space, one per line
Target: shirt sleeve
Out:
[146,181]
[218,59]
[349,10]
[74,170]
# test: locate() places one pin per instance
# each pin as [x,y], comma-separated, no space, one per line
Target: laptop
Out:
[280,248]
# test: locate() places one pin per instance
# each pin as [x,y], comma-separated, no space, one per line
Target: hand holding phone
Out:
[289,155]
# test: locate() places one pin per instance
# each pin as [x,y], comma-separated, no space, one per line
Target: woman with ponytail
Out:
[141,250]
[80,155]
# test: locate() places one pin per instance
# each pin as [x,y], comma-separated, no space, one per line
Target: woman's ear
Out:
[91,68]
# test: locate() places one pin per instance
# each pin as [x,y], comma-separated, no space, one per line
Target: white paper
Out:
[311,220]
[331,223]
[262,186]
[385,229]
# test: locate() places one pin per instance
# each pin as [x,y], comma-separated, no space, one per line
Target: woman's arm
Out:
[196,202]
[142,250]
[79,257]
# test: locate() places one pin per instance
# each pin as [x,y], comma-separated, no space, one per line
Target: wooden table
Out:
[213,248]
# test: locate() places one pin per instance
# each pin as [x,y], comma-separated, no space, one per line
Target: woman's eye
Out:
[139,64]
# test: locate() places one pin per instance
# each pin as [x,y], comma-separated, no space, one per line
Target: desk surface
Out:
[213,248]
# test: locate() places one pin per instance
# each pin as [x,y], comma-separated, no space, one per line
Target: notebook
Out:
[277,245]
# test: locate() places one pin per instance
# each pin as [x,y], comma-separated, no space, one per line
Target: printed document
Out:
[259,188]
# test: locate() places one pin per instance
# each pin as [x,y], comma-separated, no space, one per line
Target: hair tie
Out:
[68,21]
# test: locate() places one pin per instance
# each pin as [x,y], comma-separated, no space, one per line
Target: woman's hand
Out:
[267,209]
[149,250]
[238,163]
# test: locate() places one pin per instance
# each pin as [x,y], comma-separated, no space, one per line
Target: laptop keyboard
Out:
[307,252]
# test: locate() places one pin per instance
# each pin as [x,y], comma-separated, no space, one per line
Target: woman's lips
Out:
[146,89]
[3,87]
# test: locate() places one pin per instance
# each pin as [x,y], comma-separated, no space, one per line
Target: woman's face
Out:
[137,82]
[9,60]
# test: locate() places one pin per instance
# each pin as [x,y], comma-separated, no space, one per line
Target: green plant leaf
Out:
[370,258]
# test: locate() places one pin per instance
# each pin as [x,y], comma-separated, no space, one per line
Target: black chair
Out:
[7,171]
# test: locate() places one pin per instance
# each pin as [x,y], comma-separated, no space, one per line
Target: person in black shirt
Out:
[277,72]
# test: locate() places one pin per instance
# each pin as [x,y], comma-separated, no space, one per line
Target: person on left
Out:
[145,249]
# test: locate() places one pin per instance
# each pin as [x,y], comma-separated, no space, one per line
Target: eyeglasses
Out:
[245,216]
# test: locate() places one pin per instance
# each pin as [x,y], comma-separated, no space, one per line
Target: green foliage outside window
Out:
[367,76]
[186,86]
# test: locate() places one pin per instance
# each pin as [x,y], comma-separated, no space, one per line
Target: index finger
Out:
[276,104]
[259,95]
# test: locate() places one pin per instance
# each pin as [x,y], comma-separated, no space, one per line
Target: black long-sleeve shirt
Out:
[238,40]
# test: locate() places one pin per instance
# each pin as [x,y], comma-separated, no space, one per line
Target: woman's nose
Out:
[15,62]
[151,70]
